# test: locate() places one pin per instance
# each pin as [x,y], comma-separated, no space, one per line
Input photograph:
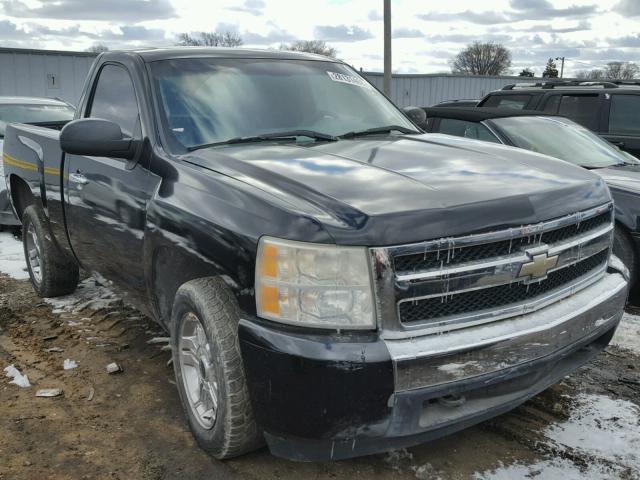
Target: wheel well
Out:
[21,195]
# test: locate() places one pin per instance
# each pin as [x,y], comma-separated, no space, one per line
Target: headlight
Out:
[314,285]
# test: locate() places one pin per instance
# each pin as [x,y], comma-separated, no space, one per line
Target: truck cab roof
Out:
[155,54]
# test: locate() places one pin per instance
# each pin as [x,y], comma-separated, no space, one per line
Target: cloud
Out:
[254,7]
[544,10]
[274,36]
[407,33]
[467,38]
[522,10]
[341,33]
[115,10]
[632,41]
[375,16]
[481,18]
[628,8]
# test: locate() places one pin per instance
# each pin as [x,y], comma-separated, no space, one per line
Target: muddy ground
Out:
[130,425]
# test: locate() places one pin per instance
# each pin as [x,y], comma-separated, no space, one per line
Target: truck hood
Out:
[625,177]
[402,189]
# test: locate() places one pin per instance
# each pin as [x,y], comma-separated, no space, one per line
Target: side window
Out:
[463,128]
[582,109]
[516,102]
[623,116]
[553,102]
[114,99]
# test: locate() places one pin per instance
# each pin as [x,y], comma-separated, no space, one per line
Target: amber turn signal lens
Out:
[270,261]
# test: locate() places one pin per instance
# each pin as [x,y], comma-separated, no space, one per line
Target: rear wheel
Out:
[52,272]
[209,371]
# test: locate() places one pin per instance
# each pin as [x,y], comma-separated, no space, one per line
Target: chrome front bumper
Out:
[475,352]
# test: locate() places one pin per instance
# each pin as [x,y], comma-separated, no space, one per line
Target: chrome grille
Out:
[495,297]
[441,258]
[490,276]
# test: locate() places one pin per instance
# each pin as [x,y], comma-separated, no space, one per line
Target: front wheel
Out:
[209,371]
[51,271]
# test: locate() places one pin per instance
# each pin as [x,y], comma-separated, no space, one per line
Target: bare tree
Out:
[526,73]
[621,70]
[595,74]
[98,48]
[311,46]
[550,70]
[210,39]
[613,71]
[482,59]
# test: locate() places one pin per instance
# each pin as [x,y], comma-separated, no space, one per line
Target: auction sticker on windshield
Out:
[350,79]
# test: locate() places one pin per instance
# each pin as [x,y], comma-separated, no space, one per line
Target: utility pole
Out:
[561,65]
[387,48]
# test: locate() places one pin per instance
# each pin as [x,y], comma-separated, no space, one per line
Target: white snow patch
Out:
[12,257]
[602,430]
[458,368]
[557,469]
[69,364]
[628,333]
[17,378]
[89,294]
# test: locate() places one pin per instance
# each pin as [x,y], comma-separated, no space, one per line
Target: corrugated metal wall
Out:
[48,73]
[41,73]
[427,90]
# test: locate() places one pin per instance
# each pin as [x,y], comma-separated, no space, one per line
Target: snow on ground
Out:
[91,293]
[603,431]
[628,333]
[12,257]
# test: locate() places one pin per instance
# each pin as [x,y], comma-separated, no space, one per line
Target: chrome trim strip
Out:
[499,235]
[440,359]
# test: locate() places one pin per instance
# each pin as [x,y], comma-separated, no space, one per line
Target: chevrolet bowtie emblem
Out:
[538,267]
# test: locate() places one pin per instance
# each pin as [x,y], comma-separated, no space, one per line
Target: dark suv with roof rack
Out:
[608,108]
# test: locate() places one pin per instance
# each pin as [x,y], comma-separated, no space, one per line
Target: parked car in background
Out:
[458,103]
[561,138]
[335,281]
[40,111]
[609,109]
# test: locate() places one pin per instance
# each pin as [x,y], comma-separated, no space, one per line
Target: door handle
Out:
[78,178]
[618,144]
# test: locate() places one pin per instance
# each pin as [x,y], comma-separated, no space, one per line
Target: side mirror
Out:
[416,115]
[97,138]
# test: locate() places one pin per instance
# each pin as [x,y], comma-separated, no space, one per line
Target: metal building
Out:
[61,74]
[425,90]
[43,73]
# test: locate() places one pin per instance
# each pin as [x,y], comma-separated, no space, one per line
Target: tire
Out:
[624,249]
[230,430]
[51,271]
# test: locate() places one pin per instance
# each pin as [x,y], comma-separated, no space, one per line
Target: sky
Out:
[427,34]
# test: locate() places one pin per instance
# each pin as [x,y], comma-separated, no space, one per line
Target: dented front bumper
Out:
[321,397]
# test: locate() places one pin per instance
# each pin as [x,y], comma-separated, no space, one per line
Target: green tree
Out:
[526,73]
[550,71]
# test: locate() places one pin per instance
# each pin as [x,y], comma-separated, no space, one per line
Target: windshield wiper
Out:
[375,130]
[291,134]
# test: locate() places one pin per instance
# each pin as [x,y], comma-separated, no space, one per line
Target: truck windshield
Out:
[213,100]
[33,113]
[563,139]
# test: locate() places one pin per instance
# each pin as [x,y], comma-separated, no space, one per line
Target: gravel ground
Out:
[130,425]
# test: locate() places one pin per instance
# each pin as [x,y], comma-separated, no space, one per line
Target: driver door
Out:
[107,197]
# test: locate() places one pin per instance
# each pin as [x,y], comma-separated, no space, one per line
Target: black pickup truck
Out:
[335,282]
